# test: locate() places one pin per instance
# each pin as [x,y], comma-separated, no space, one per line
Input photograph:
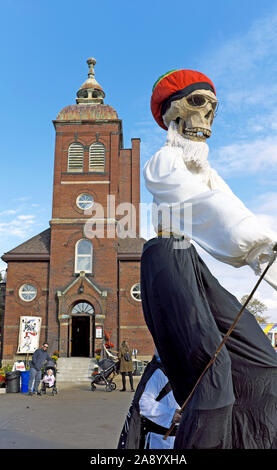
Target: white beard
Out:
[194,154]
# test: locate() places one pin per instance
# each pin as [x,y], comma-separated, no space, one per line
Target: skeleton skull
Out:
[193,114]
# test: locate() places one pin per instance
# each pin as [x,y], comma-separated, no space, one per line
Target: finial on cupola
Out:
[90,92]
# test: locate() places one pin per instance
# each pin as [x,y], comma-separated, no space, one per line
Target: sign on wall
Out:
[99,332]
[29,332]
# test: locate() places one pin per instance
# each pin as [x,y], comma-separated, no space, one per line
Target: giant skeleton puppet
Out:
[186,309]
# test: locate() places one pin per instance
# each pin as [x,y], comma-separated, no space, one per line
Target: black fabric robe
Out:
[188,312]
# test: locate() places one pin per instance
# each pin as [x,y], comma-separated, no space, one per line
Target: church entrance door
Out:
[82,330]
[80,336]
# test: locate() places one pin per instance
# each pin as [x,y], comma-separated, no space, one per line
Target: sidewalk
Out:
[75,418]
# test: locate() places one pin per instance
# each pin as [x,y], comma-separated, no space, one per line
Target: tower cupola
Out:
[90,92]
[90,102]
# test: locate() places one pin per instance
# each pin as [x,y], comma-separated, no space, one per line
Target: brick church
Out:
[80,285]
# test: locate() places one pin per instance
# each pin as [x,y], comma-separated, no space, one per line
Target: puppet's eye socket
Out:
[196,100]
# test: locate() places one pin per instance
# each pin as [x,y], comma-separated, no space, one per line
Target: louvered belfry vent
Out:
[75,157]
[97,157]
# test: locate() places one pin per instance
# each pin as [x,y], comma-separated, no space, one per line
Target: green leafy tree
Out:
[257,308]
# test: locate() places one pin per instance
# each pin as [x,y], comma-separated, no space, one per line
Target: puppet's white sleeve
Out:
[160,412]
[206,210]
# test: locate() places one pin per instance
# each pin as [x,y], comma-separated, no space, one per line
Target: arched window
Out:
[75,160]
[83,307]
[97,157]
[83,256]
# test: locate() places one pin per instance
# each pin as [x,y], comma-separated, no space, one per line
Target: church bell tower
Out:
[91,166]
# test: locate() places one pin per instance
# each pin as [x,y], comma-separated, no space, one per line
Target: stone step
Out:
[75,369]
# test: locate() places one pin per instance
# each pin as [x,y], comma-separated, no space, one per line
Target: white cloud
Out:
[251,96]
[26,217]
[22,199]
[271,303]
[238,59]
[267,203]
[241,158]
[7,212]
[18,226]
[265,208]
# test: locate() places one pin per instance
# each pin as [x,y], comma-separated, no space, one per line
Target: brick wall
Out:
[131,320]
[19,273]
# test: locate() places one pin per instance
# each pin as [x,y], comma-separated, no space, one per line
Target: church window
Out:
[84,201]
[83,256]
[75,157]
[135,292]
[83,307]
[27,292]
[97,157]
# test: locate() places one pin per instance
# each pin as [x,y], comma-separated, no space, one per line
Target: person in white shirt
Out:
[152,411]
[186,309]
[158,405]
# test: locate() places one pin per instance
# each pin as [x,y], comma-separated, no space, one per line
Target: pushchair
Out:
[108,369]
[44,385]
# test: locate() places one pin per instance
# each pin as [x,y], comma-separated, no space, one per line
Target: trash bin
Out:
[13,382]
[25,374]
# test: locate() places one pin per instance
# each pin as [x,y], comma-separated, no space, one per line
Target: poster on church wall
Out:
[29,332]
[99,332]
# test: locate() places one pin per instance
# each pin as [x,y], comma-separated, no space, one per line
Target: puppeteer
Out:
[186,309]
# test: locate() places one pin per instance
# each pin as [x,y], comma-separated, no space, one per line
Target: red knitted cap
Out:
[175,85]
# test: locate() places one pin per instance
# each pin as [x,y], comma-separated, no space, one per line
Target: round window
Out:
[84,201]
[135,292]
[27,292]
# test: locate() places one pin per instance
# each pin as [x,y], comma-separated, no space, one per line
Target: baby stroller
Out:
[108,369]
[49,366]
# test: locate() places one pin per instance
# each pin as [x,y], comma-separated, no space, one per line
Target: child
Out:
[49,378]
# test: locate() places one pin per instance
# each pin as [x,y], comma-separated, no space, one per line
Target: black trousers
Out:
[187,312]
[130,374]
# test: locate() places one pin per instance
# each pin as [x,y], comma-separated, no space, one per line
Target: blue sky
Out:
[43,56]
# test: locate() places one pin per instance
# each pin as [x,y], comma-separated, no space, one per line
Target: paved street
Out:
[75,418]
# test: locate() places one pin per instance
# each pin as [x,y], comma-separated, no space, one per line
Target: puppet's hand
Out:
[260,256]
[176,417]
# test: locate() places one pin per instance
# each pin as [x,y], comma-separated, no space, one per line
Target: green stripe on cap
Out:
[163,76]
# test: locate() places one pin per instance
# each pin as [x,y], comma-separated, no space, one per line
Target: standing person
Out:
[39,357]
[152,411]
[126,365]
[186,309]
